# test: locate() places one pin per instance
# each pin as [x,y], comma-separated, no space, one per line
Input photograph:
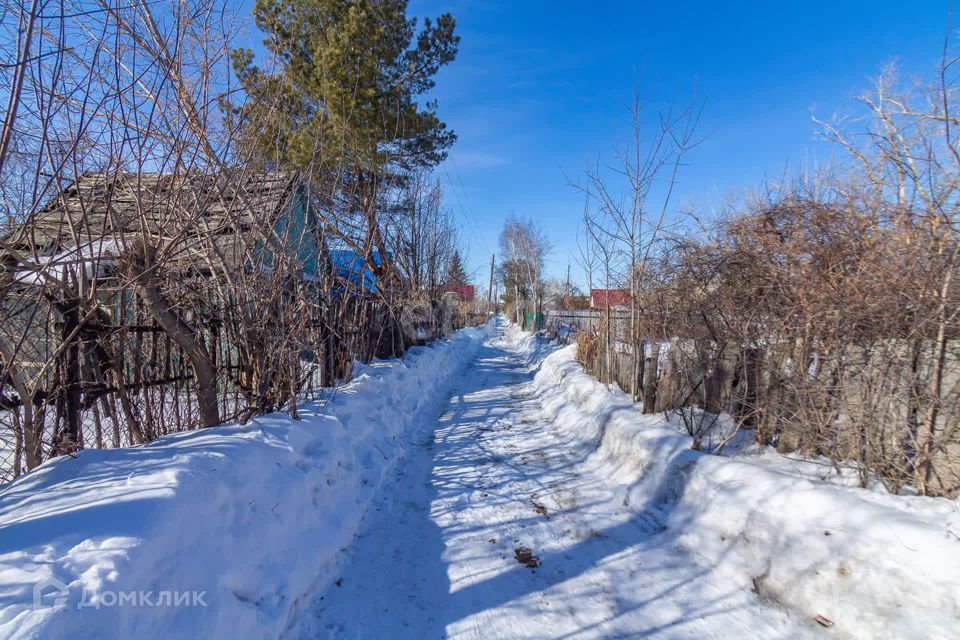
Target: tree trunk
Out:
[67,439]
[516,303]
[185,337]
[31,434]
[929,426]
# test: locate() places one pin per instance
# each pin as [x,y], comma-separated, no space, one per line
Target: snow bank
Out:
[877,565]
[212,533]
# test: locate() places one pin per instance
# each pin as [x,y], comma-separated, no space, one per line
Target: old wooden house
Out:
[132,305]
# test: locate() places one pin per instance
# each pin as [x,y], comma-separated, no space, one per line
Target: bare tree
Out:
[635,210]
[523,249]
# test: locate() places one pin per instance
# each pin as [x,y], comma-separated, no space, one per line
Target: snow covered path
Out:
[434,557]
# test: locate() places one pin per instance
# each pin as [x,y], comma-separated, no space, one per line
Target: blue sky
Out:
[542,88]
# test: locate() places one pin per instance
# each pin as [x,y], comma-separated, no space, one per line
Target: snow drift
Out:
[876,565]
[212,533]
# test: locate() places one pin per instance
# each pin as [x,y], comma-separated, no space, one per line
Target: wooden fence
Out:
[130,383]
[860,407]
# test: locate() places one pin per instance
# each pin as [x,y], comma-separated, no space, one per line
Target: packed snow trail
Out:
[435,556]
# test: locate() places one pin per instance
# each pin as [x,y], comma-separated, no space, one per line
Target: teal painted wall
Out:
[297,229]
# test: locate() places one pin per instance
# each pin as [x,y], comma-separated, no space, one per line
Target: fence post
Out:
[650,374]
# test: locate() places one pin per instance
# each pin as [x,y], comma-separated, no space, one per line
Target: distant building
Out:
[466,292]
[612,298]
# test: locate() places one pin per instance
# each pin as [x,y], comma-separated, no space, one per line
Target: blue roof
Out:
[350,267]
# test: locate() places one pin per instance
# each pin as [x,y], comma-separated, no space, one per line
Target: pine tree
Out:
[347,106]
[456,275]
[350,85]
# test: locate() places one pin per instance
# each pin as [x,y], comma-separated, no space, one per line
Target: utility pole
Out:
[490,297]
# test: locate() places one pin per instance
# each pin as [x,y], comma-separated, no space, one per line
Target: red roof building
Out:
[613,298]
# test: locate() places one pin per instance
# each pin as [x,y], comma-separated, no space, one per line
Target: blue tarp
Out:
[352,272]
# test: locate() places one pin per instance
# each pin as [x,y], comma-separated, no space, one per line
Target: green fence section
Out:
[532,321]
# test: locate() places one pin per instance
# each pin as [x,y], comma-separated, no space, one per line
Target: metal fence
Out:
[565,324]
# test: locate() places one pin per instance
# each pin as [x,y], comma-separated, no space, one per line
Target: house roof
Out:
[603,298]
[98,206]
